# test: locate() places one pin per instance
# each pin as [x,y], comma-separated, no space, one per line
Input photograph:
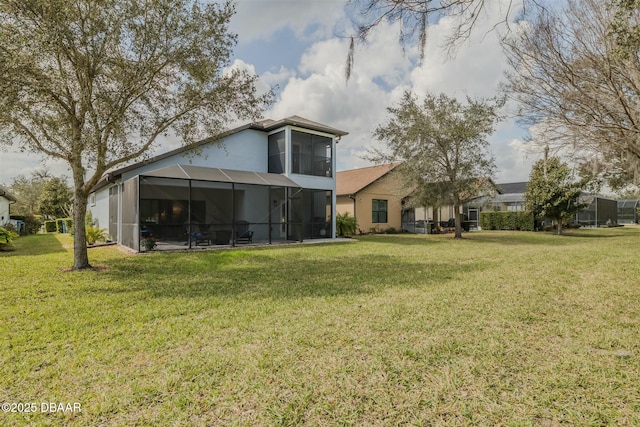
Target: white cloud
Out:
[308,19]
[14,162]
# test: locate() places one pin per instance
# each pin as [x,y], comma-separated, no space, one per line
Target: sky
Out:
[298,49]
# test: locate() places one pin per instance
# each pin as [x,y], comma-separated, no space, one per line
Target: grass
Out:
[498,329]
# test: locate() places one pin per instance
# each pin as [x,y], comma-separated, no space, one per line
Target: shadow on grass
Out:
[568,238]
[36,244]
[402,239]
[288,274]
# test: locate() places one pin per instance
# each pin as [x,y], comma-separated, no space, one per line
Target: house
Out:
[263,182]
[373,195]
[377,198]
[6,200]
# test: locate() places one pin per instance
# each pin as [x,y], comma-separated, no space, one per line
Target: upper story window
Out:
[277,150]
[310,154]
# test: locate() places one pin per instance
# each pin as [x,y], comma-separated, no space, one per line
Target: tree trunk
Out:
[80,255]
[559,228]
[458,219]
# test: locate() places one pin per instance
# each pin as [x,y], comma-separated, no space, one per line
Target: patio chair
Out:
[198,236]
[242,232]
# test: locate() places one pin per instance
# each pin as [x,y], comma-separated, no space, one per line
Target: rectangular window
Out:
[92,199]
[277,149]
[311,154]
[379,211]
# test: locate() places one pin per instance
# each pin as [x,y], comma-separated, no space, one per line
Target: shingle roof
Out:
[354,180]
[512,187]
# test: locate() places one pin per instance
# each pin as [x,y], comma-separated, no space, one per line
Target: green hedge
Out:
[64,225]
[50,226]
[507,220]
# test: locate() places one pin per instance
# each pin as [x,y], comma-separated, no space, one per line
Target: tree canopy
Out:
[442,146]
[575,71]
[95,82]
[552,192]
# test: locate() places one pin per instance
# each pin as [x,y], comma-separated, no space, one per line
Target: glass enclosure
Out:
[310,154]
[182,213]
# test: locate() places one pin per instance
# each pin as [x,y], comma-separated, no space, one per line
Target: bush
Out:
[95,234]
[50,227]
[6,238]
[64,225]
[32,224]
[507,220]
[391,230]
[346,225]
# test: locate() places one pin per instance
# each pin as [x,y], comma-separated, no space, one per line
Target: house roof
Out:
[354,180]
[513,187]
[266,125]
[5,193]
[202,173]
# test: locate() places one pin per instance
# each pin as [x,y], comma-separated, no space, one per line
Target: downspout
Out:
[353,197]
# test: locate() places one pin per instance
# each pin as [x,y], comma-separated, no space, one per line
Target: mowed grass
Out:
[501,328]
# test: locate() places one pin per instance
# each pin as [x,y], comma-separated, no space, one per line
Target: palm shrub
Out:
[95,234]
[346,225]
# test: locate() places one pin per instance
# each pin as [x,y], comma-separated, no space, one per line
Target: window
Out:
[92,199]
[311,154]
[379,211]
[277,149]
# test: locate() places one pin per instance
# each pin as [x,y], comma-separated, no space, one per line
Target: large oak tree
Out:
[442,146]
[96,82]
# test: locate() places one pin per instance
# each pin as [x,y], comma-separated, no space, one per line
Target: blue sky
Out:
[297,45]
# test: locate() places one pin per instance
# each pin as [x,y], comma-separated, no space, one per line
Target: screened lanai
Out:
[186,206]
[628,211]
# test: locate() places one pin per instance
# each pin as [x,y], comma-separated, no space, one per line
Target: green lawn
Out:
[501,328]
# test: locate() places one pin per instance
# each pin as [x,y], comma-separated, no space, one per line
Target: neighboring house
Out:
[266,182]
[373,195]
[6,200]
[510,197]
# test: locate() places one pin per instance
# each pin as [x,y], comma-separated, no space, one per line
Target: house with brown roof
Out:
[373,195]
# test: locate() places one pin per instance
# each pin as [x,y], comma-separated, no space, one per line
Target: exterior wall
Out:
[100,209]
[246,150]
[4,210]
[345,204]
[386,188]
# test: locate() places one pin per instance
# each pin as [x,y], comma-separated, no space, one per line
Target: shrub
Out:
[346,225]
[391,230]
[507,220]
[95,234]
[148,243]
[50,227]
[6,238]
[32,224]
[64,225]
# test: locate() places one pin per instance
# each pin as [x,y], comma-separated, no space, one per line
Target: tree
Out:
[56,199]
[574,72]
[95,83]
[28,191]
[442,146]
[415,16]
[551,191]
